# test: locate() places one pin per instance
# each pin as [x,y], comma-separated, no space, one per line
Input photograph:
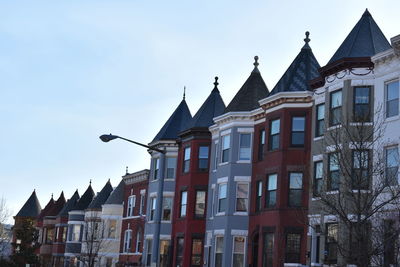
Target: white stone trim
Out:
[226,132]
[149,236]
[243,161]
[153,194]
[245,130]
[318,157]
[222,180]
[143,191]
[219,232]
[242,178]
[165,237]
[238,232]
[260,121]
[291,105]
[330,218]
[318,138]
[168,194]
[240,213]
[213,186]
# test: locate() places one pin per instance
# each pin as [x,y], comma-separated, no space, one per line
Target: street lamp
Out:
[156,239]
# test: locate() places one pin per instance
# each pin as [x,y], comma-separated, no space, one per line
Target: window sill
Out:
[215,170]
[220,214]
[165,221]
[338,126]
[223,163]
[361,123]
[333,192]
[315,198]
[243,161]
[393,118]
[169,179]
[241,213]
[319,138]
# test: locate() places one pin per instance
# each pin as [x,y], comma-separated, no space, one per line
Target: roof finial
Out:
[90,182]
[256,61]
[51,195]
[216,81]
[307,40]
[184,92]
[126,171]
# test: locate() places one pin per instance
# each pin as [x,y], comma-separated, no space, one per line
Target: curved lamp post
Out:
[156,239]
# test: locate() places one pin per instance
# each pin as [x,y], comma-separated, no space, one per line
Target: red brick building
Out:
[281,156]
[189,216]
[134,215]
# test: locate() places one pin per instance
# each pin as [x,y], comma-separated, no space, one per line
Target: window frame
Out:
[328,242]
[293,132]
[271,136]
[196,203]
[225,151]
[332,120]
[244,248]
[290,200]
[218,237]
[261,144]
[156,171]
[394,100]
[186,161]
[127,241]
[318,121]
[317,190]
[225,198]
[360,169]
[153,207]
[207,159]
[131,203]
[244,148]
[183,207]
[387,179]
[330,172]
[355,116]
[268,191]
[192,255]
[246,199]
[167,168]
[295,251]
[171,204]
[258,194]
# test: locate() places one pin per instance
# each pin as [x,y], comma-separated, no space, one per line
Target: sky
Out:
[73,70]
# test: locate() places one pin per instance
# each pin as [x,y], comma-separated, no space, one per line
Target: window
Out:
[164,252]
[127,241]
[149,250]
[390,243]
[336,108]
[109,262]
[318,173]
[75,230]
[258,195]
[226,143]
[238,251]
[298,129]
[219,250]
[331,242]
[49,235]
[141,207]
[242,197]
[320,125]
[138,241]
[244,146]
[216,156]
[171,163]
[261,144]
[392,99]
[274,130]
[197,245]
[203,158]
[360,169]
[186,159]
[292,251]
[295,189]
[268,251]
[156,165]
[153,208]
[179,251]
[183,203]
[131,205]
[334,175]
[222,188]
[166,209]
[64,234]
[112,227]
[392,165]
[200,204]
[362,104]
[270,198]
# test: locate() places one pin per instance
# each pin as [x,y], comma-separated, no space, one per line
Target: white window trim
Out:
[236,197]
[128,214]
[250,147]
[222,180]
[220,213]
[125,235]
[245,246]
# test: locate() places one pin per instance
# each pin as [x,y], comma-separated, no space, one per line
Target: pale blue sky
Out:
[72,70]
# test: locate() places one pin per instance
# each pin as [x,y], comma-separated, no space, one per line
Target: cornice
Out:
[286,98]
[140,176]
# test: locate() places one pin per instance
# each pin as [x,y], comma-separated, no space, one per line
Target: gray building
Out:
[161,189]
[230,175]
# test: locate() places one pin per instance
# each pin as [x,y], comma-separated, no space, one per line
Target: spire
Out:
[31,208]
[216,82]
[85,200]
[101,197]
[117,196]
[307,41]
[256,64]
[184,92]
[126,170]
[69,205]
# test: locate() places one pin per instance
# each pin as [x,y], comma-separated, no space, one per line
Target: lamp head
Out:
[108,137]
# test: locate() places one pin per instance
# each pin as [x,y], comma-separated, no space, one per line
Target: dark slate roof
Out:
[211,108]
[47,208]
[178,122]
[303,69]
[31,208]
[101,197]
[117,196]
[364,40]
[69,205]
[85,200]
[253,90]
[58,205]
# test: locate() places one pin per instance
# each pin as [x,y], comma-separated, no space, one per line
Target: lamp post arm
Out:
[143,145]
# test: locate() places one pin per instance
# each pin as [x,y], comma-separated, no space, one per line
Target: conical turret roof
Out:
[303,68]
[101,197]
[211,108]
[31,208]
[58,205]
[47,208]
[178,122]
[253,90]
[365,40]
[117,196]
[85,200]
[70,204]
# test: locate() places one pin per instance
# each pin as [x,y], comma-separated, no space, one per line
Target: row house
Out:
[230,176]
[161,188]
[355,132]
[134,199]
[281,155]
[191,186]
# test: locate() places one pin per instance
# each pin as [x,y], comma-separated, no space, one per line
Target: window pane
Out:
[361,95]
[171,163]
[200,203]
[245,140]
[242,190]
[298,124]
[336,99]
[197,245]
[272,180]
[239,245]
[203,152]
[262,137]
[222,191]
[244,152]
[318,169]
[296,180]
[333,162]
[219,244]
[392,90]
[298,138]
[187,153]
[321,112]
[226,139]
[293,248]
[259,188]
[183,203]
[275,126]
[167,206]
[392,157]
[360,159]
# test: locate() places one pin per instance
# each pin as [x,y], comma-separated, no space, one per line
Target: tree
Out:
[361,192]
[5,232]
[26,242]
[92,241]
